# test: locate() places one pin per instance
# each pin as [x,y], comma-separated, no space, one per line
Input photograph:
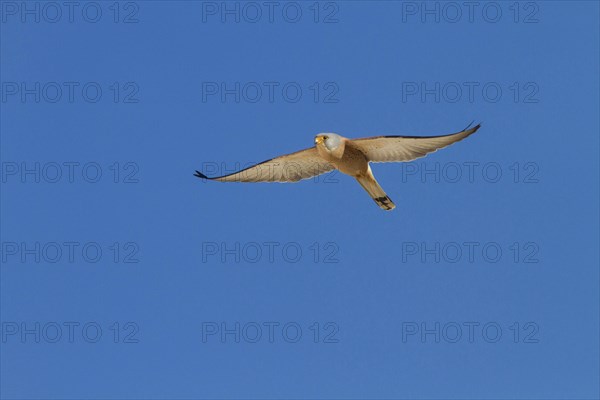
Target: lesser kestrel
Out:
[349,156]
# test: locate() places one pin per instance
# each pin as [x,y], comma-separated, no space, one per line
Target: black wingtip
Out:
[474,129]
[200,175]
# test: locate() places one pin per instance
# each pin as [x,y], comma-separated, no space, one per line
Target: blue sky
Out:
[123,276]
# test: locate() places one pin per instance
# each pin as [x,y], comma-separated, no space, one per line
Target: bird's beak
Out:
[319,140]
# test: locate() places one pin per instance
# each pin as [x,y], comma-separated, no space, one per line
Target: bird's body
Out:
[346,158]
[350,160]
[349,156]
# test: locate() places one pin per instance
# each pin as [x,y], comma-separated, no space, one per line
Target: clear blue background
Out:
[370,292]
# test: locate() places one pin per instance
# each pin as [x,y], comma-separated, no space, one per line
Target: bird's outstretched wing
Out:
[292,167]
[406,148]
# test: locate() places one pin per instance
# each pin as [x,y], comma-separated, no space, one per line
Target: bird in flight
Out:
[349,156]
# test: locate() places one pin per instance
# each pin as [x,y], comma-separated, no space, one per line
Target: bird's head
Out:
[328,141]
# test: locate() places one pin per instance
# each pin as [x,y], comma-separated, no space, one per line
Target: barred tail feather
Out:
[376,192]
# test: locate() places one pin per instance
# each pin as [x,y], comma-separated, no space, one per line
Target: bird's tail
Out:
[369,183]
